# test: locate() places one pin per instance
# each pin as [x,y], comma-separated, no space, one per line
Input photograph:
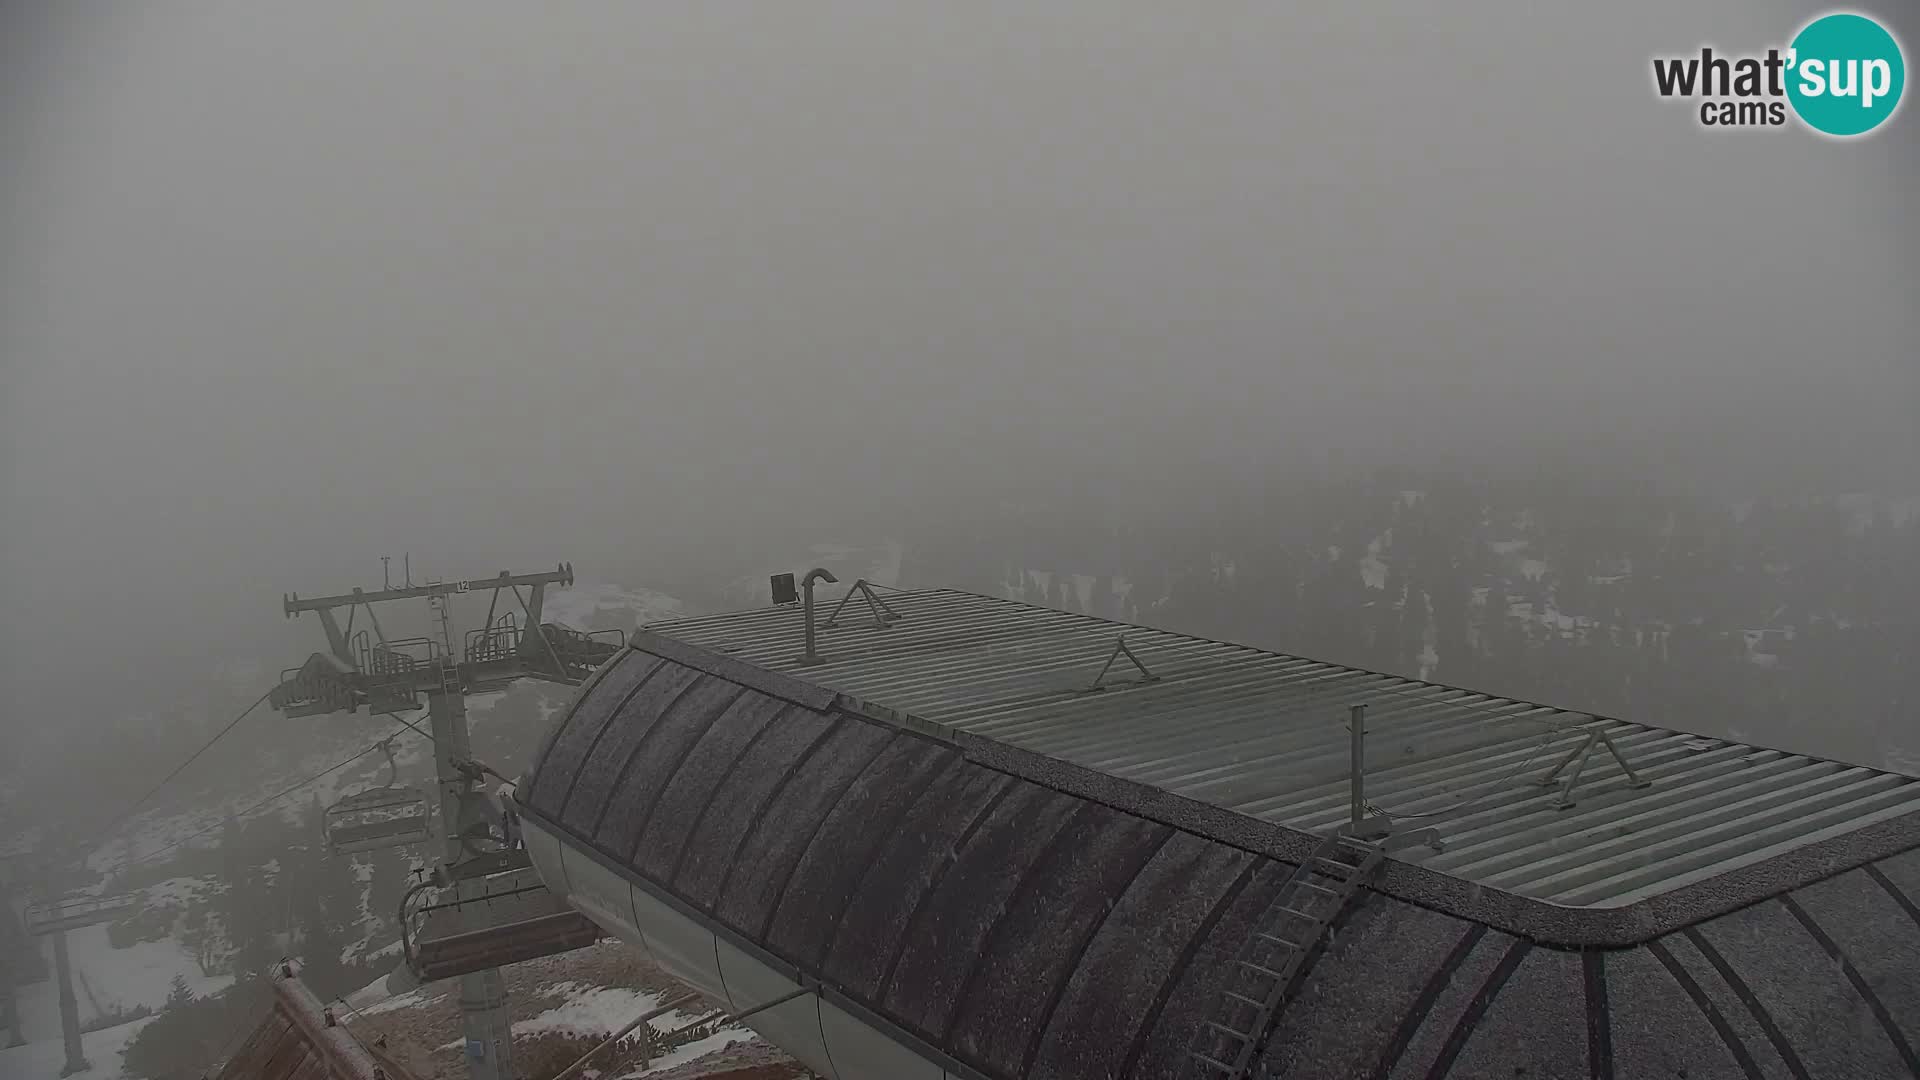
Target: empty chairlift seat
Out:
[392,815]
[467,924]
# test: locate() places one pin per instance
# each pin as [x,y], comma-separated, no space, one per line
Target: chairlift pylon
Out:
[389,816]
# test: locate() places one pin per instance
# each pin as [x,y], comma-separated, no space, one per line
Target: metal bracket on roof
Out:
[1577,757]
[883,616]
[1375,826]
[1119,649]
[1380,828]
[1367,822]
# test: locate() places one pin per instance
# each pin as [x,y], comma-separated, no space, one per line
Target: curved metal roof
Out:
[1264,735]
[1014,927]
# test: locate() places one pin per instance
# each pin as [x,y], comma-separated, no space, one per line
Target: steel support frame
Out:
[483,994]
[1577,758]
[69,1009]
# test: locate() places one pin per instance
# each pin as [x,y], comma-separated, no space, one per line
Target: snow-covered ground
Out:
[43,1058]
[107,980]
[598,605]
[576,998]
[602,1010]
[693,1051]
[1372,567]
[1862,508]
[594,1010]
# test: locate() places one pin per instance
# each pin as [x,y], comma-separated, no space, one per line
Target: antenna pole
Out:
[812,655]
[1357,724]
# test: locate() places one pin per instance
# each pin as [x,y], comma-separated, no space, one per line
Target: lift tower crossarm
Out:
[562,577]
[388,678]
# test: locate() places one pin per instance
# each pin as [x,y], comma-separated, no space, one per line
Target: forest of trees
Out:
[280,895]
[1788,623]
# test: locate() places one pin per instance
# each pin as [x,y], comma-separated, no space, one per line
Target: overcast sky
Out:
[287,287]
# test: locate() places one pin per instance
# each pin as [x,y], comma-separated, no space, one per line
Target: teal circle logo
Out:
[1845,74]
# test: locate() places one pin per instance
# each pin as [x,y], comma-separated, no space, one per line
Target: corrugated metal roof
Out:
[1265,734]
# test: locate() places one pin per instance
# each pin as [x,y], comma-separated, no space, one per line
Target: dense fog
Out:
[1429,342]
[285,291]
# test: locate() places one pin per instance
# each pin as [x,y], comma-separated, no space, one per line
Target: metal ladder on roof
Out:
[1262,976]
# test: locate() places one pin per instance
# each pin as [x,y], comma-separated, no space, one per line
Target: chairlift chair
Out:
[393,815]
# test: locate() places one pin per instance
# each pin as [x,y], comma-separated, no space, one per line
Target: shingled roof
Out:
[1018,913]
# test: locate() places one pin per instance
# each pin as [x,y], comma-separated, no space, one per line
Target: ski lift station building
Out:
[974,838]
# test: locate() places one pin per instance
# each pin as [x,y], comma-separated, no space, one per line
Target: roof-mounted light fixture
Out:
[783,590]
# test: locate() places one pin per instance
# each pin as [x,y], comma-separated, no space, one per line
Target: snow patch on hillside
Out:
[1862,507]
[693,1051]
[598,1010]
[180,891]
[104,1050]
[1372,568]
[116,980]
[604,606]
[408,1000]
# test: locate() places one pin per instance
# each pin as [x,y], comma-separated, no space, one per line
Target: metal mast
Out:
[54,919]
[383,676]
